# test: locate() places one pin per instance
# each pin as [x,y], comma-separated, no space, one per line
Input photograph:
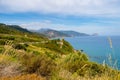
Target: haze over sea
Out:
[98,47]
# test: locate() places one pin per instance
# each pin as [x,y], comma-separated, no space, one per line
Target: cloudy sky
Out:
[88,16]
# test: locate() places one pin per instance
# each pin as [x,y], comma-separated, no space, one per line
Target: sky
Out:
[86,16]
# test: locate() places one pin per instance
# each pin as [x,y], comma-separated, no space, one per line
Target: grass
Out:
[24,77]
[111,58]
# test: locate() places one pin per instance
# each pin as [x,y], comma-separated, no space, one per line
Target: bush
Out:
[78,63]
[10,38]
[40,64]
[2,42]
[20,46]
[1,49]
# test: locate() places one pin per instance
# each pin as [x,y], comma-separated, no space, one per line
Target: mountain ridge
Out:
[56,33]
[15,30]
[11,29]
[74,33]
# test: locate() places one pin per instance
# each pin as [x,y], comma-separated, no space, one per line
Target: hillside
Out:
[13,31]
[54,33]
[34,57]
[74,33]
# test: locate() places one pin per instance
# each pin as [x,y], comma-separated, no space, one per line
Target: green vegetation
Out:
[11,32]
[35,57]
[56,45]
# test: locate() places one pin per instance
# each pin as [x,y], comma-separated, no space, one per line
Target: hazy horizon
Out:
[85,16]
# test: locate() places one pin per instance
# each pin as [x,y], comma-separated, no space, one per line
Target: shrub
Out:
[20,46]
[40,64]
[1,49]
[10,38]
[2,42]
[78,63]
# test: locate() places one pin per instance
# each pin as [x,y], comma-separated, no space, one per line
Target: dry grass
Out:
[10,70]
[66,75]
[8,65]
[24,77]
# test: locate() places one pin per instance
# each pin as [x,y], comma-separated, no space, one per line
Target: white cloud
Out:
[63,7]
[36,25]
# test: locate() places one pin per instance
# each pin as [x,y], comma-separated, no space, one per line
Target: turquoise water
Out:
[98,47]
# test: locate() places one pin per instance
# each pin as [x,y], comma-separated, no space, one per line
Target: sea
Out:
[99,49]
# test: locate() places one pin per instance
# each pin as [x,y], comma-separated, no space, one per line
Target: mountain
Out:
[74,33]
[18,34]
[12,29]
[52,33]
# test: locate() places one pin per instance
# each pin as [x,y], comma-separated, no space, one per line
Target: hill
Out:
[74,33]
[18,34]
[12,29]
[54,33]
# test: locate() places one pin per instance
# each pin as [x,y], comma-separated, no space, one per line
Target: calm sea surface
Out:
[98,47]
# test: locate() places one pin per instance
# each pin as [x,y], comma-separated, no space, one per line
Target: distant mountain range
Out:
[74,33]
[18,30]
[50,33]
[54,33]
